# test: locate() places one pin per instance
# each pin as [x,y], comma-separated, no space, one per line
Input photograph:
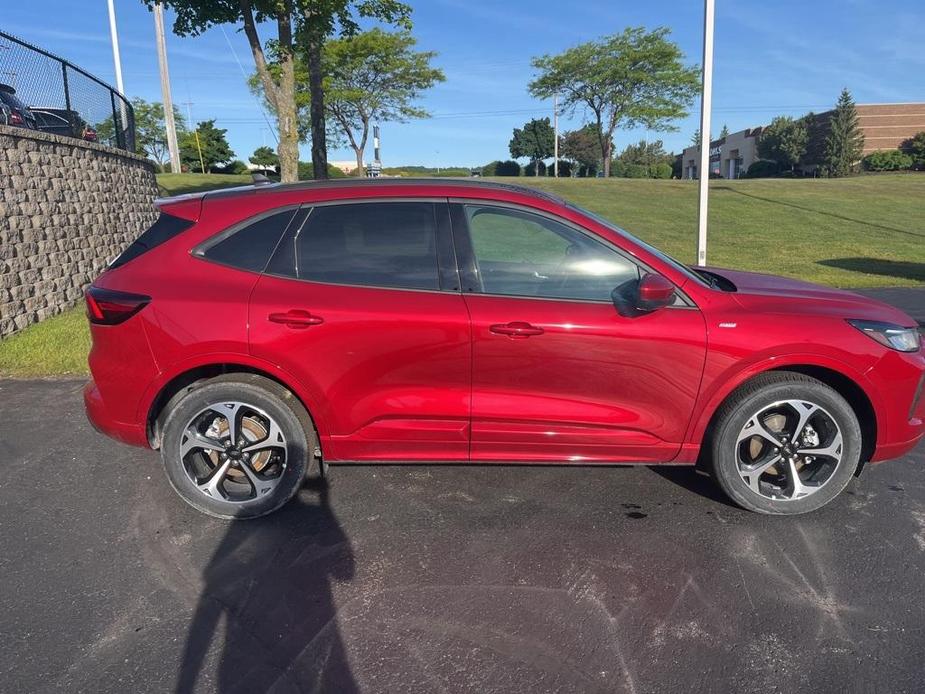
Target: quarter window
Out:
[249,248]
[389,244]
[524,254]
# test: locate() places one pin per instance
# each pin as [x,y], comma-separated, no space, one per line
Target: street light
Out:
[706,102]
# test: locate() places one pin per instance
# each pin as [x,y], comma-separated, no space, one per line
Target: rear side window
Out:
[390,244]
[165,228]
[249,247]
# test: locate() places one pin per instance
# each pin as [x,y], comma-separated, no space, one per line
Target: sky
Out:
[771,58]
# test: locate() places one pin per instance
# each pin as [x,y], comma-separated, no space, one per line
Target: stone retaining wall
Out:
[67,207]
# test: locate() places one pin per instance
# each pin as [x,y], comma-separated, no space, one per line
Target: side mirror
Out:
[645,295]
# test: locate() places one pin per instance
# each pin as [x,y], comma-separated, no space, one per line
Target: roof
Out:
[350,183]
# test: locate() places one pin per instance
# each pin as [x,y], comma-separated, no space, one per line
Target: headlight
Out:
[889,335]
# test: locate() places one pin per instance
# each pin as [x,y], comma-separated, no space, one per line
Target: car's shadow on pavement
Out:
[693,480]
[267,604]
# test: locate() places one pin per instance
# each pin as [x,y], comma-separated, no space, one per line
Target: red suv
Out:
[252,330]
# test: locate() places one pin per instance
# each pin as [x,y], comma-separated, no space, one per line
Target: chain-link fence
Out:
[39,90]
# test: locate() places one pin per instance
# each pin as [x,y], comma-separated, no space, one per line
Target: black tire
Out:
[762,392]
[301,441]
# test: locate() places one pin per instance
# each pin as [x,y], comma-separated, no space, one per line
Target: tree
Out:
[648,154]
[631,79]
[535,141]
[845,141]
[724,132]
[308,21]
[915,148]
[212,143]
[265,157]
[150,131]
[784,141]
[695,138]
[374,76]
[582,147]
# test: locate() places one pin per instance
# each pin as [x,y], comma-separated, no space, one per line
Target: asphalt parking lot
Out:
[443,579]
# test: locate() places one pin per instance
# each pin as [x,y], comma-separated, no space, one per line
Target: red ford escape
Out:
[250,331]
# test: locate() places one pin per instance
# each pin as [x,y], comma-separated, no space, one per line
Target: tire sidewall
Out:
[299,448]
[724,454]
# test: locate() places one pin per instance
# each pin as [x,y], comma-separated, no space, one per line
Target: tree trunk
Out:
[536,168]
[360,172]
[605,150]
[288,123]
[319,143]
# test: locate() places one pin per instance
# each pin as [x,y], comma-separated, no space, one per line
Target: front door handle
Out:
[516,329]
[295,318]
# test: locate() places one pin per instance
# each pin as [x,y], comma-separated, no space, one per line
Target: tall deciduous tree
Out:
[536,141]
[845,141]
[212,144]
[150,131]
[309,21]
[636,78]
[374,76]
[784,141]
[264,156]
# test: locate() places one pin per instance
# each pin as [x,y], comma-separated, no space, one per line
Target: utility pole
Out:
[706,104]
[555,130]
[165,89]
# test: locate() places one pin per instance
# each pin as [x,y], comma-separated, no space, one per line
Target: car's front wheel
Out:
[785,443]
[237,447]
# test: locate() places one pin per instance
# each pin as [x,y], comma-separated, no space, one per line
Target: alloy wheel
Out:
[233,451]
[789,450]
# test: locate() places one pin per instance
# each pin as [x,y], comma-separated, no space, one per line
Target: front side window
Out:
[522,254]
[389,244]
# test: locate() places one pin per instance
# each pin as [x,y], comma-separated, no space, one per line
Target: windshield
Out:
[676,264]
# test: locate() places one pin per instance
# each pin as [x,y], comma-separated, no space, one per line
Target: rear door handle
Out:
[516,329]
[295,318]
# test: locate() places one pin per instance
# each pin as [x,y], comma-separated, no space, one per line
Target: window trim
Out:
[198,251]
[443,244]
[468,267]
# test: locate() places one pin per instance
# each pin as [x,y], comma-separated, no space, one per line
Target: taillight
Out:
[109,307]
[15,118]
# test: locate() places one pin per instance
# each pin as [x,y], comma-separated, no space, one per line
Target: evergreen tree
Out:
[845,141]
[724,132]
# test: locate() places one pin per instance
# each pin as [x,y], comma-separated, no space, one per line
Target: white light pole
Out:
[165,90]
[115,47]
[706,103]
[555,122]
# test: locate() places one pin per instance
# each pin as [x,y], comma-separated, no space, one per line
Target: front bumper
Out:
[901,423]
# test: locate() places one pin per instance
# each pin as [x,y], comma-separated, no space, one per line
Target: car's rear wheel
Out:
[237,447]
[785,443]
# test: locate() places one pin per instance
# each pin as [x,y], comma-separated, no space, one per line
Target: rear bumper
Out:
[103,422]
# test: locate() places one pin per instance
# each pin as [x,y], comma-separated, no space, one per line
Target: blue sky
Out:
[782,57]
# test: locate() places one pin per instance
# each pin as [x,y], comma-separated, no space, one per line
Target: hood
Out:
[770,292]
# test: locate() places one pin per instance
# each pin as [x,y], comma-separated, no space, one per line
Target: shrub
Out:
[565,169]
[761,169]
[636,171]
[887,160]
[662,170]
[617,169]
[915,147]
[307,171]
[506,168]
[587,171]
[530,169]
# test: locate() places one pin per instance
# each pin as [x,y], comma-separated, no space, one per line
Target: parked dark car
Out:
[62,121]
[13,111]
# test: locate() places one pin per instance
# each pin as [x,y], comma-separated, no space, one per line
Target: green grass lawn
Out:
[867,231]
[178,184]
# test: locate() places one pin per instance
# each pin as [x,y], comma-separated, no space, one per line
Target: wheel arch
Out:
[853,392]
[189,378]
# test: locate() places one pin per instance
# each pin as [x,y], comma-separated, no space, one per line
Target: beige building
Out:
[885,126]
[730,156]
